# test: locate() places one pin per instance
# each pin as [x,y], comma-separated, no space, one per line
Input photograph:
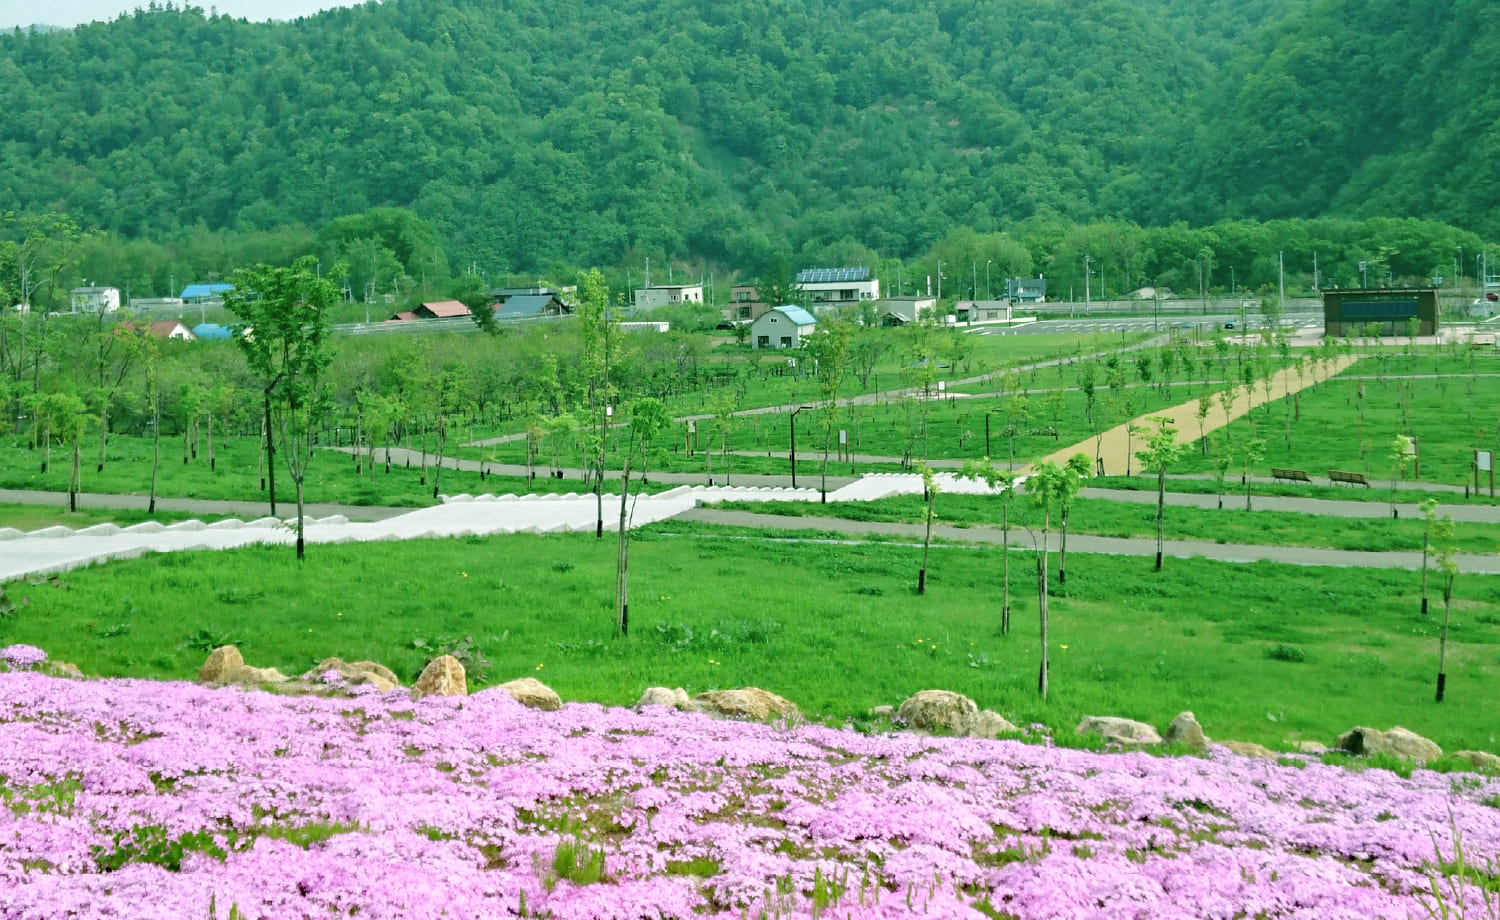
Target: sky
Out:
[73,12]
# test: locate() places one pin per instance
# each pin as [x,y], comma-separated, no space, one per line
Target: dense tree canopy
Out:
[525,135]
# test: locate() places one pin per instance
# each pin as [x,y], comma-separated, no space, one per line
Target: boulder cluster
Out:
[939,712]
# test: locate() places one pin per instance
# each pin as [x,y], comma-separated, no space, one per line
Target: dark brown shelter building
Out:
[1356,312]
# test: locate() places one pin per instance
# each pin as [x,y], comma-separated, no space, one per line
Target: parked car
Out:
[1491,295]
[1229,325]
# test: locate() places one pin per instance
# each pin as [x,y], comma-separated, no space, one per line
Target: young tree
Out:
[595,327]
[1255,448]
[1400,455]
[284,337]
[930,490]
[1205,405]
[1005,482]
[1447,566]
[1431,521]
[830,349]
[1081,470]
[62,418]
[1016,414]
[1049,487]
[648,417]
[1162,450]
[1222,462]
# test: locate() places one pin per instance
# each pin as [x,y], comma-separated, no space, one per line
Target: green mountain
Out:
[533,132]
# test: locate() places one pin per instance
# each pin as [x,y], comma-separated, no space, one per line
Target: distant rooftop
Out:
[830,275]
[203,291]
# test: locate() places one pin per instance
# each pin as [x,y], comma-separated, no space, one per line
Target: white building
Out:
[782,327]
[95,299]
[982,311]
[837,287]
[667,295]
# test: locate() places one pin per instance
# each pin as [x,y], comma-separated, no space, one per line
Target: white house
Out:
[898,311]
[95,299]
[982,311]
[833,287]
[667,295]
[782,327]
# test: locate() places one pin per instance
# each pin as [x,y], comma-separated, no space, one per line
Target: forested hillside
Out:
[536,132]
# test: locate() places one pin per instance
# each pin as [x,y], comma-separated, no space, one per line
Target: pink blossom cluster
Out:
[378,806]
[22,656]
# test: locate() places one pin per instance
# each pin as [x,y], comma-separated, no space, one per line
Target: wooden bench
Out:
[1290,475]
[1350,478]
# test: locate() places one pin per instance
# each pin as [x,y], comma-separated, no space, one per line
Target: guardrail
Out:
[419,326]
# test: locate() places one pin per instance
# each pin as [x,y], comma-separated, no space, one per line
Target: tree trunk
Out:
[1442,679]
[155,447]
[622,558]
[270,454]
[1041,684]
[1005,569]
[103,434]
[1161,508]
[211,458]
[1062,558]
[301,530]
[442,443]
[75,478]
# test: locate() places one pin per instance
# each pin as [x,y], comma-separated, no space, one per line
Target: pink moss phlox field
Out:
[138,799]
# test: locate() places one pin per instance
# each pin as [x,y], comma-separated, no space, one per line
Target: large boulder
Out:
[1186,731]
[939,711]
[528,691]
[1249,749]
[1397,742]
[990,724]
[221,664]
[747,703]
[356,672]
[443,676]
[664,696]
[247,676]
[1479,760]
[1123,731]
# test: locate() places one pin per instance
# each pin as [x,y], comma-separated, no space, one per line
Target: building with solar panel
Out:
[1390,311]
[831,288]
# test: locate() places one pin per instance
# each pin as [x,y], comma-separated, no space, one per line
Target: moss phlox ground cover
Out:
[130,798]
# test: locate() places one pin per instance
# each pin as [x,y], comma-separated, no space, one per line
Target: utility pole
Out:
[1281,269]
[1087,296]
[940,279]
[1316,282]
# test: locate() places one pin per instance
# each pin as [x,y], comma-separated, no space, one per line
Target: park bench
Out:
[1350,478]
[1290,475]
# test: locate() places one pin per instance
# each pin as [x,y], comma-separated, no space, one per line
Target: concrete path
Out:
[1083,543]
[206,506]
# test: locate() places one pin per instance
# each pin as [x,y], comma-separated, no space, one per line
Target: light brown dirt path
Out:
[1118,443]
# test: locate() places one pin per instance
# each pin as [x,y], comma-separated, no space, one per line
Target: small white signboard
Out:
[844,438]
[942,385]
[1482,457]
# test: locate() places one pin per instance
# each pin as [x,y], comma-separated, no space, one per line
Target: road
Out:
[1190,323]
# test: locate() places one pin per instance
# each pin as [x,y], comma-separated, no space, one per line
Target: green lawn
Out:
[1350,422]
[837,628]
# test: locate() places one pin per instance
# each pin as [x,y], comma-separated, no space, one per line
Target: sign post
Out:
[1484,463]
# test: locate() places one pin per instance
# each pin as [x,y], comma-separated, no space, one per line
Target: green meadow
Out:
[1259,652]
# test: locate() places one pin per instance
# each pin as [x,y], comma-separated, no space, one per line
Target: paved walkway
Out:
[1084,543]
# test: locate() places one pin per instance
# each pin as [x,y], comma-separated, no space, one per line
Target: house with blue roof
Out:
[202,293]
[782,327]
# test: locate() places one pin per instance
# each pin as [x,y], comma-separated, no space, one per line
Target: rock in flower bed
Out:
[128,798]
